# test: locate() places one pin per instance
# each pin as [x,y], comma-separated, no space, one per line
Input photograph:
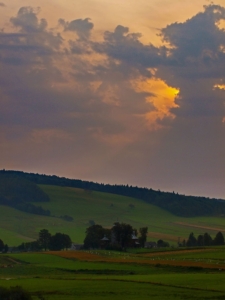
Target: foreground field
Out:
[178,274]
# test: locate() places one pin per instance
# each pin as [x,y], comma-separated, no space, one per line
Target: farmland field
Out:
[178,274]
[104,209]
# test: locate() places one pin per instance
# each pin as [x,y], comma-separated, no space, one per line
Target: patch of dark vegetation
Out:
[186,269]
[98,272]
[180,205]
[67,218]
[14,293]
[20,193]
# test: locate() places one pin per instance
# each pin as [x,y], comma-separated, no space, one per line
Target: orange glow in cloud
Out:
[163,99]
[220,86]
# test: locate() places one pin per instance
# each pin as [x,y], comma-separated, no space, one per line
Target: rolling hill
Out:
[102,208]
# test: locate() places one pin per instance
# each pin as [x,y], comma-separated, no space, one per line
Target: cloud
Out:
[81,27]
[127,48]
[119,109]
[196,62]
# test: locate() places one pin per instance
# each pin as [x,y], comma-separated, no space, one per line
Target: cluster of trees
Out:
[177,204]
[161,244]
[47,241]
[204,240]
[120,236]
[20,193]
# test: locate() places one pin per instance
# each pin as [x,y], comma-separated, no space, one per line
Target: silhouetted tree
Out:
[1,245]
[94,234]
[143,232]
[59,241]
[6,248]
[191,242]
[207,240]
[200,240]
[44,238]
[219,239]
[122,233]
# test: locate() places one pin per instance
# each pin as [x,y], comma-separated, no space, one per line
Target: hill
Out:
[85,206]
[179,205]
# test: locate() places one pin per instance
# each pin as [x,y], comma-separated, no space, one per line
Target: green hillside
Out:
[104,209]
[177,204]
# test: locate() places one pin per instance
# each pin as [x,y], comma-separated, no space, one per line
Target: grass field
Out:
[104,209]
[114,275]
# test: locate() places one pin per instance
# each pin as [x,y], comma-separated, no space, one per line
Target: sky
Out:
[121,92]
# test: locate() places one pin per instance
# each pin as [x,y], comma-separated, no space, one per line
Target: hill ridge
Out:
[180,205]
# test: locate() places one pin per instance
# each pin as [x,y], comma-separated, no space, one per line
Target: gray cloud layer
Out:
[69,105]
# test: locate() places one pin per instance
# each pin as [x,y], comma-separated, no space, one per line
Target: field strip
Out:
[83,256]
[167,285]
[198,226]
[163,253]
[163,236]
[144,282]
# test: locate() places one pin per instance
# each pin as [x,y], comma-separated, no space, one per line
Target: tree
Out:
[143,232]
[6,248]
[207,240]
[219,239]
[1,246]
[191,242]
[59,241]
[44,238]
[200,240]
[122,233]
[94,234]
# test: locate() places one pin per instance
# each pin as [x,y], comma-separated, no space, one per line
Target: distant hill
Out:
[179,205]
[18,192]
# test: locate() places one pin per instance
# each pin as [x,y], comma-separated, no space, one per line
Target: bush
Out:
[14,293]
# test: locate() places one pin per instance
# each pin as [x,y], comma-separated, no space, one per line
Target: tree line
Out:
[180,205]
[47,241]
[203,240]
[20,193]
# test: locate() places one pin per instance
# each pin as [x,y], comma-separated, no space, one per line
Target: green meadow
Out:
[113,275]
[104,209]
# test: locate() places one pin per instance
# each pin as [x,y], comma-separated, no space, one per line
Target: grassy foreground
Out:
[104,209]
[178,274]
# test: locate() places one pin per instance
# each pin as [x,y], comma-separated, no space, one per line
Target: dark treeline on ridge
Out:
[20,193]
[180,205]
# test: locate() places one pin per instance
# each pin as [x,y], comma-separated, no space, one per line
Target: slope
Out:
[102,208]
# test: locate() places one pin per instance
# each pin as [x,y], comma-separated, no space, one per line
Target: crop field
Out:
[99,274]
[104,209]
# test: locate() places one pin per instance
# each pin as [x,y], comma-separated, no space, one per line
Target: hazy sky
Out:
[128,92]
